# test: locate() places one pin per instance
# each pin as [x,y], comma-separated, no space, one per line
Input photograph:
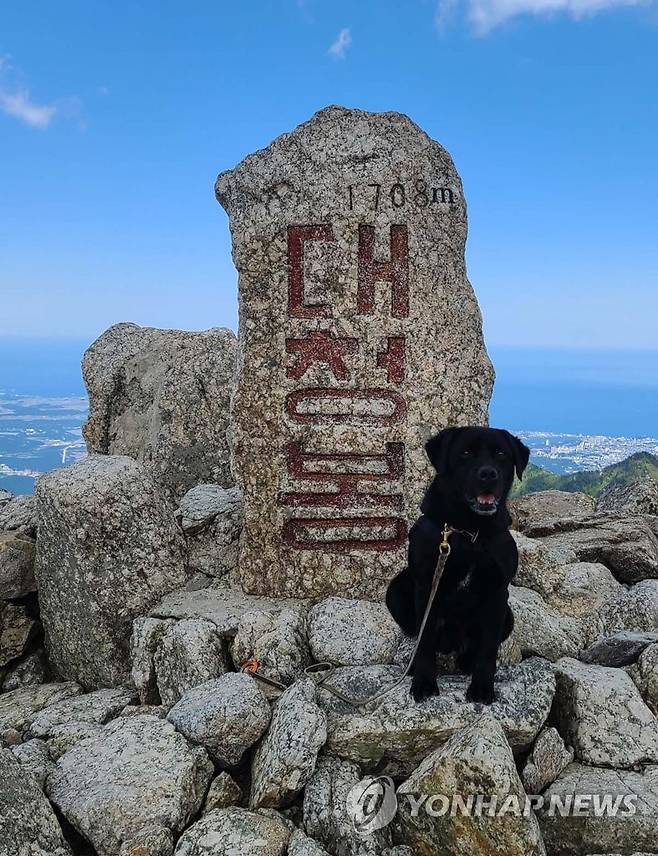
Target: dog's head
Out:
[476,465]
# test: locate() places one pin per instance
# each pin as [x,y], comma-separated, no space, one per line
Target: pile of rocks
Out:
[136,732]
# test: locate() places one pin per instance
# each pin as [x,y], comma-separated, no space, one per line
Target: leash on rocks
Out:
[321,672]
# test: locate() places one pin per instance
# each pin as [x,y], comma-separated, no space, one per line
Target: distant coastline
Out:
[577,410]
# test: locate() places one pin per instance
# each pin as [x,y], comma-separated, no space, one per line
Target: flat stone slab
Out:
[221,604]
[398,733]
[98,707]
[620,649]
[627,544]
[18,707]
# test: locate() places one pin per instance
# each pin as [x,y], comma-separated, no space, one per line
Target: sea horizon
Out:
[576,408]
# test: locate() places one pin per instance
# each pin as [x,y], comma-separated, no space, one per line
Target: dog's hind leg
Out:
[400,600]
[508,624]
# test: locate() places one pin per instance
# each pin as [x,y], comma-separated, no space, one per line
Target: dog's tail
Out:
[400,601]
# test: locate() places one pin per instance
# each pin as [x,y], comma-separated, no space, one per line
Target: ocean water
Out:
[42,407]
[606,392]
[576,409]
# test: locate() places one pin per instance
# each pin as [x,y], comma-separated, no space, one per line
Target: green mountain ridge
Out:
[594,482]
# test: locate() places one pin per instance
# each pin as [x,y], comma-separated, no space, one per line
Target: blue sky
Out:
[116,117]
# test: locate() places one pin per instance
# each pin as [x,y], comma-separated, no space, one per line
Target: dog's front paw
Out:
[423,686]
[480,693]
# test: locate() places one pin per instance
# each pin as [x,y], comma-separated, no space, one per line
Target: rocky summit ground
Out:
[128,729]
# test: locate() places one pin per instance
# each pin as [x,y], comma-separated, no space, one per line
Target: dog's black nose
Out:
[487,474]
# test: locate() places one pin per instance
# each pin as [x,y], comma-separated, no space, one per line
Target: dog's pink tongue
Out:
[486,498]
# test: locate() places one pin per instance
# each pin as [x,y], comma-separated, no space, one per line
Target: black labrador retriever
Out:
[470,615]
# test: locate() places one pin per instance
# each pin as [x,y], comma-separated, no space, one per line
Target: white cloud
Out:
[19,104]
[16,99]
[342,43]
[485,15]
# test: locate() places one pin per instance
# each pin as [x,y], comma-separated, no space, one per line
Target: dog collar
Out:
[449,530]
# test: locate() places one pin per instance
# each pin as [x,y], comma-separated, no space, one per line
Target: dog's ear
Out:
[520,453]
[438,447]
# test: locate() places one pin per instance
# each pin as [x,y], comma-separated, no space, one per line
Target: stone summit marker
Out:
[360,336]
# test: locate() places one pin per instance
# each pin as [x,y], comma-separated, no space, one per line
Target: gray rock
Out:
[639,497]
[397,734]
[146,635]
[540,510]
[16,565]
[19,515]
[328,810]
[286,757]
[158,710]
[109,549]
[28,826]
[29,671]
[222,793]
[97,707]
[540,569]
[620,649]
[35,759]
[162,398]
[541,629]
[352,632]
[302,845]
[211,518]
[381,370]
[235,832]
[152,840]
[227,716]
[65,736]
[477,760]
[584,591]
[188,654]
[548,758]
[600,712]
[220,603]
[277,640]
[645,676]
[5,496]
[635,608]
[138,772]
[627,545]
[17,629]
[19,707]
[575,826]
[509,653]
[9,737]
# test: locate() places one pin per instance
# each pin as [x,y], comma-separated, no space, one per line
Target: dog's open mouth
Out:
[484,503]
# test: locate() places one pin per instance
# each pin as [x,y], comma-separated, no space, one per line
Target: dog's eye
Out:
[467,454]
[500,454]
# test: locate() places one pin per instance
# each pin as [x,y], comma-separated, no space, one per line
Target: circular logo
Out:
[372,804]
